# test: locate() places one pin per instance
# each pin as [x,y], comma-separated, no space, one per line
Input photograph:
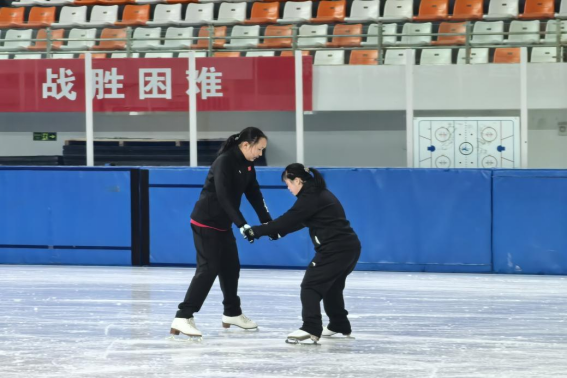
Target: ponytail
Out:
[297,170]
[250,134]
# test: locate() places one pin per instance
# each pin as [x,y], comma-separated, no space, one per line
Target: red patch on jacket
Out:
[249,169]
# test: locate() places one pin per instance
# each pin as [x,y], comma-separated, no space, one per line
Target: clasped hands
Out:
[248,234]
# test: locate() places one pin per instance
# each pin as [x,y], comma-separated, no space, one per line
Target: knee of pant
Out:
[208,270]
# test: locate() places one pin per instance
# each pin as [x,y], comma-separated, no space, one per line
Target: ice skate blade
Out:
[301,342]
[227,326]
[185,339]
[339,337]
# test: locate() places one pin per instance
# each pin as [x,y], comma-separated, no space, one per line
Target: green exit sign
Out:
[43,137]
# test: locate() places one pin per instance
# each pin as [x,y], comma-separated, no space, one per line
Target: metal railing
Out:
[381,45]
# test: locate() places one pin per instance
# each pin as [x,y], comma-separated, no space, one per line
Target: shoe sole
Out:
[176,332]
[227,325]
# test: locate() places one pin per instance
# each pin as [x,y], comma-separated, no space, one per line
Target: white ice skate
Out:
[328,333]
[240,321]
[186,327]
[302,337]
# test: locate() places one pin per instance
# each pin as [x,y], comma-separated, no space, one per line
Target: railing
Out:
[380,45]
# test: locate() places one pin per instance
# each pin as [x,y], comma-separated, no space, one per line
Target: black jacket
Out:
[230,176]
[323,214]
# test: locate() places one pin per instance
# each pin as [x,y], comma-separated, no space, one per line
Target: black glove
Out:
[247,233]
[275,237]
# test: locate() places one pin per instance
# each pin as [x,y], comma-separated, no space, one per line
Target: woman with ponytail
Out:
[232,174]
[337,250]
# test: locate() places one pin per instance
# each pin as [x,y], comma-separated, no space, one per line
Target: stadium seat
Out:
[111,45]
[219,31]
[290,53]
[230,14]
[183,39]
[166,14]
[416,34]
[395,57]
[94,56]
[251,54]
[364,11]
[432,10]
[198,54]
[538,10]
[349,29]
[488,27]
[85,2]
[545,55]
[329,58]
[39,17]
[114,2]
[562,10]
[20,39]
[47,3]
[551,31]
[252,31]
[447,27]
[330,11]
[318,34]
[433,57]
[158,55]
[467,10]
[531,27]
[63,56]
[389,35]
[82,39]
[295,12]
[42,45]
[507,55]
[102,16]
[363,57]
[124,55]
[27,56]
[478,56]
[134,15]
[264,13]
[397,10]
[502,10]
[10,17]
[71,17]
[277,43]
[4,56]
[198,14]
[23,3]
[146,38]
[227,54]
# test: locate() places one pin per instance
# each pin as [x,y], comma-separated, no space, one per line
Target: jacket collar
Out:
[239,155]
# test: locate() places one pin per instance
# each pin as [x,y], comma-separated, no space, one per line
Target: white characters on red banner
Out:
[59,85]
[208,83]
[155,83]
[107,80]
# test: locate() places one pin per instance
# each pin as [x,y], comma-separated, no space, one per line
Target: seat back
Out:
[538,9]
[20,38]
[41,16]
[219,31]
[507,55]
[252,31]
[388,39]
[363,57]
[158,55]
[545,55]
[55,34]
[349,29]
[82,38]
[232,11]
[329,58]
[102,14]
[112,34]
[226,54]
[144,38]
[467,10]
[551,31]
[365,9]
[274,31]
[447,27]
[395,57]
[290,53]
[316,31]
[414,33]
[331,10]
[478,56]
[167,12]
[531,27]
[503,9]
[70,15]
[488,27]
[173,32]
[436,57]
[265,12]
[252,54]
[199,13]
[135,14]
[297,9]
[433,10]
[402,9]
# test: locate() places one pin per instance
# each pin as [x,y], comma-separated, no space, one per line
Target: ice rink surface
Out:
[106,322]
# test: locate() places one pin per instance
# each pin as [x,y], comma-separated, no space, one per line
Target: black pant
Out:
[325,279]
[217,255]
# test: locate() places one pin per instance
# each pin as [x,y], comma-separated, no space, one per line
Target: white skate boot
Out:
[240,321]
[186,327]
[301,337]
[328,333]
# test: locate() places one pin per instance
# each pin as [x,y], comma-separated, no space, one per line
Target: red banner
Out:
[152,85]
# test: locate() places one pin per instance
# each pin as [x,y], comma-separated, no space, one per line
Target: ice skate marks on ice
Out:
[302,337]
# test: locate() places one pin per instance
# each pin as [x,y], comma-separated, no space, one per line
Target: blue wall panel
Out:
[530,222]
[65,256]
[406,219]
[63,207]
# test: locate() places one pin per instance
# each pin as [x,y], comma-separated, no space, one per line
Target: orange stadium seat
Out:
[467,10]
[94,56]
[277,43]
[115,2]
[264,13]
[433,10]
[219,31]
[353,29]
[538,9]
[290,53]
[42,45]
[180,1]
[227,54]
[447,27]
[507,55]
[135,15]
[86,2]
[330,11]
[39,17]
[364,57]
[9,17]
[111,45]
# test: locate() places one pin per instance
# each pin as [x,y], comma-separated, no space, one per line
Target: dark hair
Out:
[250,134]
[296,170]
